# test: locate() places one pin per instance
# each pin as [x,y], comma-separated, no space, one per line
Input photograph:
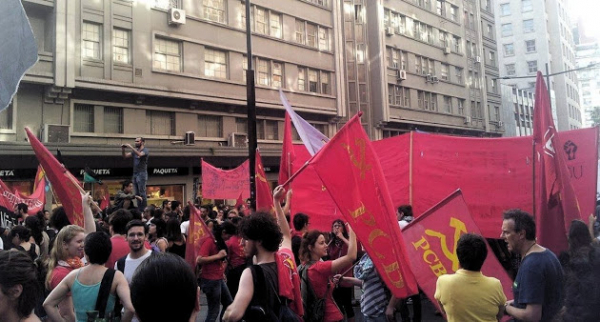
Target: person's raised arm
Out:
[591,222]
[89,225]
[281,220]
[346,260]
[123,152]
[288,203]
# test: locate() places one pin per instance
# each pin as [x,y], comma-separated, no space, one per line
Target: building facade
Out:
[517,108]
[531,34]
[113,70]
[589,79]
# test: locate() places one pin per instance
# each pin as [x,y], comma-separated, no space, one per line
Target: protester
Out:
[581,264]
[185,221]
[148,211]
[156,235]
[175,239]
[301,224]
[468,295]
[21,212]
[84,284]
[320,273]
[140,168]
[262,237]
[537,289]
[405,216]
[58,220]
[177,283]
[232,214]
[20,236]
[125,198]
[235,257]
[40,237]
[19,288]
[117,226]
[338,247]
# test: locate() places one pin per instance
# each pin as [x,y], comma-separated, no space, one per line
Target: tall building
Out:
[531,34]
[111,71]
[589,79]
[517,109]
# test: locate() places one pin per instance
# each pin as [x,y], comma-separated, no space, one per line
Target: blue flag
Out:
[18,49]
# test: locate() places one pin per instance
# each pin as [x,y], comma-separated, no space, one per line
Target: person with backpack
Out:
[316,275]
[270,289]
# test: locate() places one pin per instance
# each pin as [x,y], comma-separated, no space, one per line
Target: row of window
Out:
[400,96]
[442,8]
[505,9]
[574,113]
[413,28]
[398,59]
[532,68]
[509,49]
[506,29]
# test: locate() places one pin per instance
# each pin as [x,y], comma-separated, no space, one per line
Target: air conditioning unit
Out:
[54,133]
[500,123]
[189,138]
[238,140]
[401,75]
[467,120]
[447,50]
[428,78]
[478,59]
[434,79]
[389,31]
[176,16]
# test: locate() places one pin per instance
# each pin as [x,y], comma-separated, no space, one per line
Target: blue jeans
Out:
[216,293]
[139,188]
[380,318]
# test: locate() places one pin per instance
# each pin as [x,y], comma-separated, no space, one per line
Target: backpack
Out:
[314,307]
[260,309]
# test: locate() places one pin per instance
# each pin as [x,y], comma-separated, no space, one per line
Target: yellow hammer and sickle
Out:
[361,210]
[459,229]
[360,162]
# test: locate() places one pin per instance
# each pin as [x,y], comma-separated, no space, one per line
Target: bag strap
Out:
[104,292]
[304,276]
[258,278]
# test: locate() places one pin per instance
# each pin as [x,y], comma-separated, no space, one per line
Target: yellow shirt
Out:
[469,296]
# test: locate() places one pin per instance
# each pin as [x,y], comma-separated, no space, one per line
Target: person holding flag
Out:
[140,168]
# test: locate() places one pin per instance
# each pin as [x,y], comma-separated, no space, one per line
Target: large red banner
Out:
[35,202]
[225,184]
[431,242]
[349,169]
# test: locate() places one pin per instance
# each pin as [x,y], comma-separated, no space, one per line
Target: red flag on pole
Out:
[225,184]
[198,232]
[555,199]
[65,185]
[287,151]
[264,198]
[431,241]
[105,200]
[239,201]
[364,201]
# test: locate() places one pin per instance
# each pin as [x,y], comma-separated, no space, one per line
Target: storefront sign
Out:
[100,172]
[15,174]
[168,171]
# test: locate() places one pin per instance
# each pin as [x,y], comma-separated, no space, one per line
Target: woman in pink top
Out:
[320,273]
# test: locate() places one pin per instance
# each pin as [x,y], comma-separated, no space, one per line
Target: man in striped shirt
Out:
[376,303]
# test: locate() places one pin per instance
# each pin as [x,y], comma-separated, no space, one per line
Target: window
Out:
[530,46]
[301,79]
[528,25]
[166,4]
[214,10]
[277,75]
[160,123]
[399,96]
[83,118]
[492,58]
[263,72]
[261,22]
[507,29]
[300,31]
[443,42]
[6,118]
[453,13]
[526,6]
[241,125]
[311,35]
[440,7]
[420,99]
[490,31]
[509,49]
[418,66]
[121,46]
[113,119]
[458,72]
[91,47]
[505,9]
[461,106]
[313,81]
[532,66]
[325,87]
[448,104]
[323,38]
[456,44]
[319,2]
[433,102]
[210,126]
[167,55]
[275,24]
[267,130]
[444,71]
[215,63]
[510,69]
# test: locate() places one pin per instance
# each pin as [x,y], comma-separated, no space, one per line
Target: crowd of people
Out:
[129,265]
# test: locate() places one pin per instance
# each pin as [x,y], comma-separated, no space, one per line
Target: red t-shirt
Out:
[319,274]
[58,274]
[235,251]
[120,248]
[289,280]
[215,269]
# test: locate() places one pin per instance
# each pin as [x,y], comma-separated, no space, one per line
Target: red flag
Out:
[555,199]
[198,232]
[35,202]
[239,201]
[431,241]
[105,200]
[65,185]
[40,179]
[225,184]
[264,198]
[287,152]
[364,201]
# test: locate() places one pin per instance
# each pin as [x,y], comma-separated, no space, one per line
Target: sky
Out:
[588,11]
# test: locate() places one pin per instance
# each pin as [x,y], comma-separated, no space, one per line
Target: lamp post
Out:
[251,106]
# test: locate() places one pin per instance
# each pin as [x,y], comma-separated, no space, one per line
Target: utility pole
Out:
[251,100]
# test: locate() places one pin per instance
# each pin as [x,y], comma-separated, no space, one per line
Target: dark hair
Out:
[165,203]
[523,221]
[471,251]
[344,230]
[135,214]
[22,206]
[212,214]
[171,275]
[136,223]
[406,210]
[36,227]
[17,268]
[235,220]
[175,204]
[125,184]
[579,235]
[97,247]
[157,213]
[161,227]
[173,230]
[300,220]
[229,228]
[23,232]
[119,219]
[261,226]
[59,219]
[186,213]
[309,239]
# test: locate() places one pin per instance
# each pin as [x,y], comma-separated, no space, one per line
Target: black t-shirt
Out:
[296,242]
